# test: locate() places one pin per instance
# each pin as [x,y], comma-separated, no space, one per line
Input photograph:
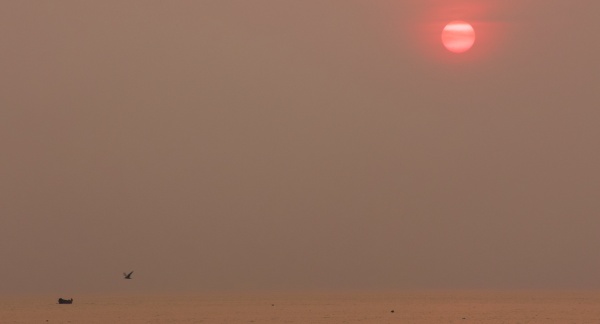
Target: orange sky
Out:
[266,144]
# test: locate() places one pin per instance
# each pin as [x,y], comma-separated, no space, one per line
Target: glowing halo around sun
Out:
[458,36]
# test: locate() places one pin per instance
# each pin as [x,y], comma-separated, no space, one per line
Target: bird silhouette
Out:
[127,275]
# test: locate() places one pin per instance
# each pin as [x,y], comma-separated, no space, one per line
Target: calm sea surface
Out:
[413,307]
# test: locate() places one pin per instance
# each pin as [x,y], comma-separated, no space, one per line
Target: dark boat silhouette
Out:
[65,301]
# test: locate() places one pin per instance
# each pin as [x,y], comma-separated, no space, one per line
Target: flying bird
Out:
[127,275]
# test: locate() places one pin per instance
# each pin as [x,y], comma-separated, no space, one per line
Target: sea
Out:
[418,307]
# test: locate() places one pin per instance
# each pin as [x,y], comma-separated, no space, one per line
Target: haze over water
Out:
[407,307]
[297,146]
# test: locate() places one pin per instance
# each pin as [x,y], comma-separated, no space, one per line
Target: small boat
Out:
[65,301]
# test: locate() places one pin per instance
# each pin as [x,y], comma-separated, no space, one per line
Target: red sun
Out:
[458,36]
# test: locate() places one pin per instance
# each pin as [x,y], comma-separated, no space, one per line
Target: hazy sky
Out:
[282,144]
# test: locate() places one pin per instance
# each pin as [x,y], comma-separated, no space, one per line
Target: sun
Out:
[458,36]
